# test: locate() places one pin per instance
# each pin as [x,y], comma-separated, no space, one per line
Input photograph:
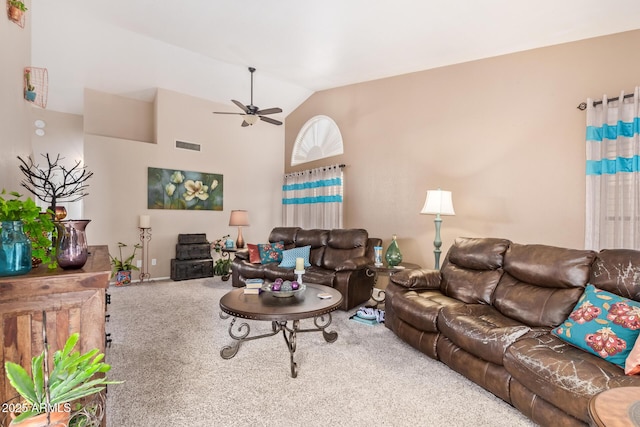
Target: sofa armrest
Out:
[417,279]
[352,264]
[242,254]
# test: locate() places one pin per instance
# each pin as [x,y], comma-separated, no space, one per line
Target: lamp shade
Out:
[251,119]
[239,218]
[438,202]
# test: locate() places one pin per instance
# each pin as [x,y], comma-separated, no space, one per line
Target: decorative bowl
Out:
[282,294]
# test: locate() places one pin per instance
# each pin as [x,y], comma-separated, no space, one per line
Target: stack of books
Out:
[253,286]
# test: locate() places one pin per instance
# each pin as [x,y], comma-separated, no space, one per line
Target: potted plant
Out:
[29,91]
[222,267]
[122,266]
[20,219]
[16,10]
[48,394]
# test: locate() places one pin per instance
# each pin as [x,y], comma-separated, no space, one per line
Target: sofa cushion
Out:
[271,252]
[317,239]
[480,329]
[289,257]
[420,309]
[632,364]
[318,275]
[470,286]
[472,269]
[343,245]
[254,254]
[604,324]
[617,271]
[478,253]
[549,266]
[559,373]
[287,235]
[534,305]
[272,272]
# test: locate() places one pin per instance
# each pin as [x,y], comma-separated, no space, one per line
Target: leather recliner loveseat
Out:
[338,259]
[489,313]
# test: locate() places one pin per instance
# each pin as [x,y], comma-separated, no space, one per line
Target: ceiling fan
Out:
[251,113]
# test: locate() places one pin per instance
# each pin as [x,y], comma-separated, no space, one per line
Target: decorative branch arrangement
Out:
[55,182]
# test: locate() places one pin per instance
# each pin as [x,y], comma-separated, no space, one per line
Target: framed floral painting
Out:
[179,189]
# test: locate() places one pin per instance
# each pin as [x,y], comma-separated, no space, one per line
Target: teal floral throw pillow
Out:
[603,324]
[271,252]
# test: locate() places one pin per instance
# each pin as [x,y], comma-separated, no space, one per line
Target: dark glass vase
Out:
[71,249]
[15,249]
[393,254]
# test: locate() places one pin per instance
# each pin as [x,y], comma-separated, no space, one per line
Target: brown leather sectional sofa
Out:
[338,259]
[489,311]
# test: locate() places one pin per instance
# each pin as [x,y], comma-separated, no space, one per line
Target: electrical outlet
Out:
[139,263]
[153,261]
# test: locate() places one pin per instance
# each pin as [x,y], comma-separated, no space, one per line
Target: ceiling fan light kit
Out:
[251,113]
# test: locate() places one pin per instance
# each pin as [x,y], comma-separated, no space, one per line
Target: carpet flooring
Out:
[166,346]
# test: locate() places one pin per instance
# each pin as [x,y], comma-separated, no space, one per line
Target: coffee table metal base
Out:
[240,333]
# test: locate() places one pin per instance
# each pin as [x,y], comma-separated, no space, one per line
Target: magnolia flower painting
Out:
[178,189]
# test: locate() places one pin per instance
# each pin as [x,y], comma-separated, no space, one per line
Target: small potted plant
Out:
[222,267]
[16,10]
[20,219]
[122,267]
[48,394]
[30,90]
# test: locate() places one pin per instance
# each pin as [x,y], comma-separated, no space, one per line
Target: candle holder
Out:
[299,273]
[145,237]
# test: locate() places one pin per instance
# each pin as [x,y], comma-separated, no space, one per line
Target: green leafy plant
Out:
[36,224]
[121,263]
[73,377]
[18,4]
[222,267]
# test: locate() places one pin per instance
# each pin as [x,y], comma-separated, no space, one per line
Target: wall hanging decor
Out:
[15,12]
[178,189]
[36,85]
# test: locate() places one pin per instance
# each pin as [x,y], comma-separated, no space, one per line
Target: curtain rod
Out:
[583,105]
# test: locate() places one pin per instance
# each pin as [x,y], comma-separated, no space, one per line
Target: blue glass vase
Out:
[15,249]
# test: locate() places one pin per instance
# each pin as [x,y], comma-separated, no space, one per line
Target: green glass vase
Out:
[393,254]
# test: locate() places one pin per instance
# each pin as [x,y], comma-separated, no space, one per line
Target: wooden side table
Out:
[385,270]
[616,407]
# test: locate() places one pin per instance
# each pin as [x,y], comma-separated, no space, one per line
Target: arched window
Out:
[319,138]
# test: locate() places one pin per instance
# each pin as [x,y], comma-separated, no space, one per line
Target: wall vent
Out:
[188,146]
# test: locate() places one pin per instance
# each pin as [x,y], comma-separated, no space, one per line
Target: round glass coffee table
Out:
[284,313]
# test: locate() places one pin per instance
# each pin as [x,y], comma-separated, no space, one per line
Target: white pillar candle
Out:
[299,264]
[145,221]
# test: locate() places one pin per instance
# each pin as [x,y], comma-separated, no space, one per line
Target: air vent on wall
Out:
[188,146]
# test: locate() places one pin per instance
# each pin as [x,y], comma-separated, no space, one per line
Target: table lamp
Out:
[438,203]
[239,218]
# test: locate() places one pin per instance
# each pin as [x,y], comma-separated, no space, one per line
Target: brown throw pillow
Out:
[254,254]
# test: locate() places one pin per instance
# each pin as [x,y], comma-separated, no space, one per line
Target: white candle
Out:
[145,221]
[299,264]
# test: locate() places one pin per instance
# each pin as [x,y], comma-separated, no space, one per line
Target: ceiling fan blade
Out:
[225,112]
[270,120]
[240,105]
[270,111]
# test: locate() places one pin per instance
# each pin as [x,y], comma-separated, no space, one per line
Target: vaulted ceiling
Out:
[203,47]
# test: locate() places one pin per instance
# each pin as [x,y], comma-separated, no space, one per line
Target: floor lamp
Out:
[239,219]
[438,203]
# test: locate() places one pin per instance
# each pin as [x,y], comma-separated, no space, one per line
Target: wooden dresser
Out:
[74,301]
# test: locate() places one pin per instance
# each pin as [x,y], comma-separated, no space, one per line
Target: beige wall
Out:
[503,134]
[15,51]
[250,160]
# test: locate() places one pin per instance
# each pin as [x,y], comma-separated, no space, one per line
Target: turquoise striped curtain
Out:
[613,173]
[313,198]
